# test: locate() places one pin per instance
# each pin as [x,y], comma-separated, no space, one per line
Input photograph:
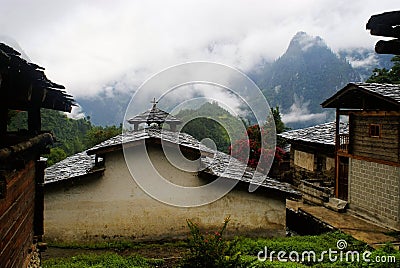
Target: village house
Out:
[367,160]
[91,196]
[24,87]
[312,160]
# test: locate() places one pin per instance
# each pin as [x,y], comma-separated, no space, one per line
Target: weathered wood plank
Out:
[16,243]
[20,180]
[11,224]
[384,147]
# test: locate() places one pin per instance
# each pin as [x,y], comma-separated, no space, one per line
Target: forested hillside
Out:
[203,126]
[72,135]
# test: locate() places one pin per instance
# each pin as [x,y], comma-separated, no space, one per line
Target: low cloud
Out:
[369,61]
[86,45]
[76,112]
[299,112]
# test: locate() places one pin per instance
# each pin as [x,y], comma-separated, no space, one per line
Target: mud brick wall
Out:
[374,189]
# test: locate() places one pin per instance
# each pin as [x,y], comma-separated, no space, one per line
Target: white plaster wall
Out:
[114,207]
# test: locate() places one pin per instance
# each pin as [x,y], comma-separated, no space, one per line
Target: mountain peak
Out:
[304,41]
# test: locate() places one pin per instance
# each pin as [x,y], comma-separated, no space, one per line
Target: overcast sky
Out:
[86,45]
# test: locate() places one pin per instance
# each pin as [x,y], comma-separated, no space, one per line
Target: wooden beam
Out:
[337,146]
[391,18]
[39,199]
[3,120]
[369,159]
[386,30]
[370,113]
[388,47]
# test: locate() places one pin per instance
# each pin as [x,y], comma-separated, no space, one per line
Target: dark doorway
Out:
[343,178]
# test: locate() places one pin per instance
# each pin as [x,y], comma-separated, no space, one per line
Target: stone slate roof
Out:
[366,96]
[74,166]
[169,136]
[320,134]
[391,91]
[154,115]
[82,163]
[218,165]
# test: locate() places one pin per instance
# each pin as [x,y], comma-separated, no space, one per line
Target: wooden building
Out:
[312,160]
[23,87]
[368,157]
[105,203]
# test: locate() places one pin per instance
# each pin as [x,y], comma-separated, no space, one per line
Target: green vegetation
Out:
[210,250]
[101,260]
[260,152]
[118,245]
[204,124]
[384,75]
[72,135]
[214,250]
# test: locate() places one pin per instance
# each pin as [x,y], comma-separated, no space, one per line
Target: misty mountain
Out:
[304,76]
[106,109]
[364,61]
[298,81]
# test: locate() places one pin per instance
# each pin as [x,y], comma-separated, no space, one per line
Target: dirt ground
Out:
[170,254]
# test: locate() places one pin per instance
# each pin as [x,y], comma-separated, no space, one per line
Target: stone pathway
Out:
[361,229]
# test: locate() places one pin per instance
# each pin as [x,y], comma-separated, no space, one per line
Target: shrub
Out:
[210,250]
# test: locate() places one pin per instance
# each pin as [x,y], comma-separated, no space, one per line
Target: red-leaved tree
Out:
[249,148]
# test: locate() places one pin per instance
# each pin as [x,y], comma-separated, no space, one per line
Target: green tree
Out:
[71,135]
[391,76]
[201,123]
[97,134]
[56,155]
[279,127]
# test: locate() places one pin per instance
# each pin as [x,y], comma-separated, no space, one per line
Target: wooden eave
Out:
[314,146]
[385,24]
[24,85]
[355,97]
[388,25]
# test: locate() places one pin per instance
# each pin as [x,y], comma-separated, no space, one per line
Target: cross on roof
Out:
[154,102]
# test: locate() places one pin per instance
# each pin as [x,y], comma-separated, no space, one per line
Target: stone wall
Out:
[304,160]
[374,190]
[314,192]
[114,207]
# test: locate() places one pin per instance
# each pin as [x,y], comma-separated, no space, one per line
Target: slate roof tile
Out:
[391,91]
[320,134]
[220,165]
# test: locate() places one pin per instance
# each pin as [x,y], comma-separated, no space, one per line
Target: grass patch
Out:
[247,248]
[317,243]
[101,260]
[116,245]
